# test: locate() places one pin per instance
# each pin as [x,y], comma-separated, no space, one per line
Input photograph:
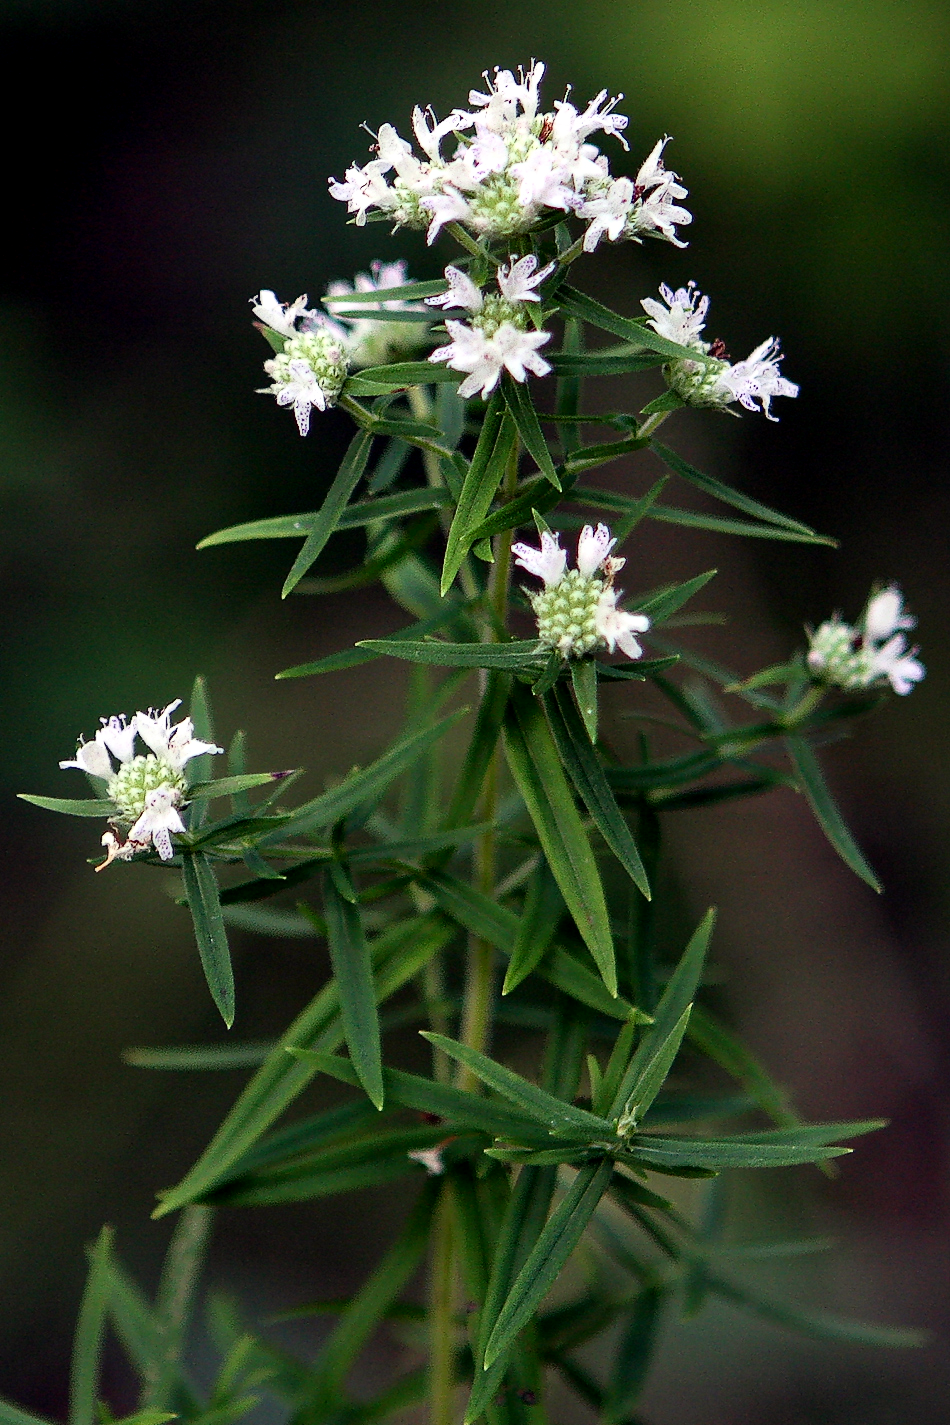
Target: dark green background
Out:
[165,161]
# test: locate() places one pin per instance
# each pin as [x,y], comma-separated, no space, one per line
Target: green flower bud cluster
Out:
[840,655]
[136,778]
[696,382]
[324,351]
[495,311]
[567,614]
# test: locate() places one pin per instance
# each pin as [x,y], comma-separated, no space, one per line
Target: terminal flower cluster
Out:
[314,352]
[146,790]
[496,337]
[577,609]
[869,654]
[714,382]
[512,165]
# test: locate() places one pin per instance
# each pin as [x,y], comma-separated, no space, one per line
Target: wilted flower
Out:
[577,609]
[872,653]
[146,790]
[715,382]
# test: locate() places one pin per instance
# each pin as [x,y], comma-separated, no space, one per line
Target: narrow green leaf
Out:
[398,954]
[584,679]
[485,735]
[482,479]
[347,479]
[826,812]
[362,787]
[669,401]
[13,1415]
[511,657]
[666,602]
[636,1089]
[617,362]
[353,657]
[554,1114]
[568,401]
[230,786]
[408,292]
[584,768]
[519,402]
[90,1332]
[634,1355]
[670,514]
[716,1041]
[82,807]
[822,1325]
[561,1235]
[407,502]
[652,1151]
[653,1074]
[174,1305]
[728,496]
[377,380]
[201,891]
[540,917]
[587,310]
[352,968]
[536,768]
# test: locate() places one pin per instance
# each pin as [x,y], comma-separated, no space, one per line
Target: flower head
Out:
[577,609]
[281,317]
[714,382]
[146,790]
[309,373]
[497,337]
[510,162]
[369,341]
[870,654]
[624,208]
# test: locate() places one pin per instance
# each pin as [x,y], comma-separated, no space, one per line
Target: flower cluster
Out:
[373,342]
[146,790]
[869,654]
[314,353]
[513,164]
[715,382]
[577,609]
[496,337]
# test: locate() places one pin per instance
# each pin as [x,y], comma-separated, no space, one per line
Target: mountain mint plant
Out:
[513,886]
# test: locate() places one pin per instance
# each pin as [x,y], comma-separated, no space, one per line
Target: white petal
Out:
[547,563]
[93,758]
[119,737]
[593,548]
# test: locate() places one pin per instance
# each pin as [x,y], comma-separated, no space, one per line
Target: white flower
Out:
[884,614]
[572,127]
[616,627]
[608,213]
[593,547]
[159,818]
[544,181]
[462,292]
[92,758]
[299,387]
[446,207]
[856,659]
[757,379]
[648,206]
[547,563]
[577,609]
[485,357]
[898,665]
[364,188]
[279,316]
[517,280]
[177,744]
[310,371]
[683,317]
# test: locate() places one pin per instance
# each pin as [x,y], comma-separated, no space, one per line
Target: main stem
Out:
[476,1021]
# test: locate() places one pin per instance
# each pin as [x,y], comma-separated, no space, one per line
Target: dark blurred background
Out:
[163,162]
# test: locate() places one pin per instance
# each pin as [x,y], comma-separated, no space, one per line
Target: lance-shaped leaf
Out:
[201,892]
[353,657]
[361,787]
[652,1151]
[540,917]
[495,444]
[826,812]
[561,1235]
[353,970]
[585,771]
[552,1113]
[536,768]
[711,486]
[615,362]
[516,656]
[378,380]
[398,954]
[325,522]
[387,507]
[666,602]
[525,417]
[634,1355]
[638,1086]
[90,1331]
[86,806]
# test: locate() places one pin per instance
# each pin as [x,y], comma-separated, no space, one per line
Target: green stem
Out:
[804,707]
[477,1006]
[441,1316]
